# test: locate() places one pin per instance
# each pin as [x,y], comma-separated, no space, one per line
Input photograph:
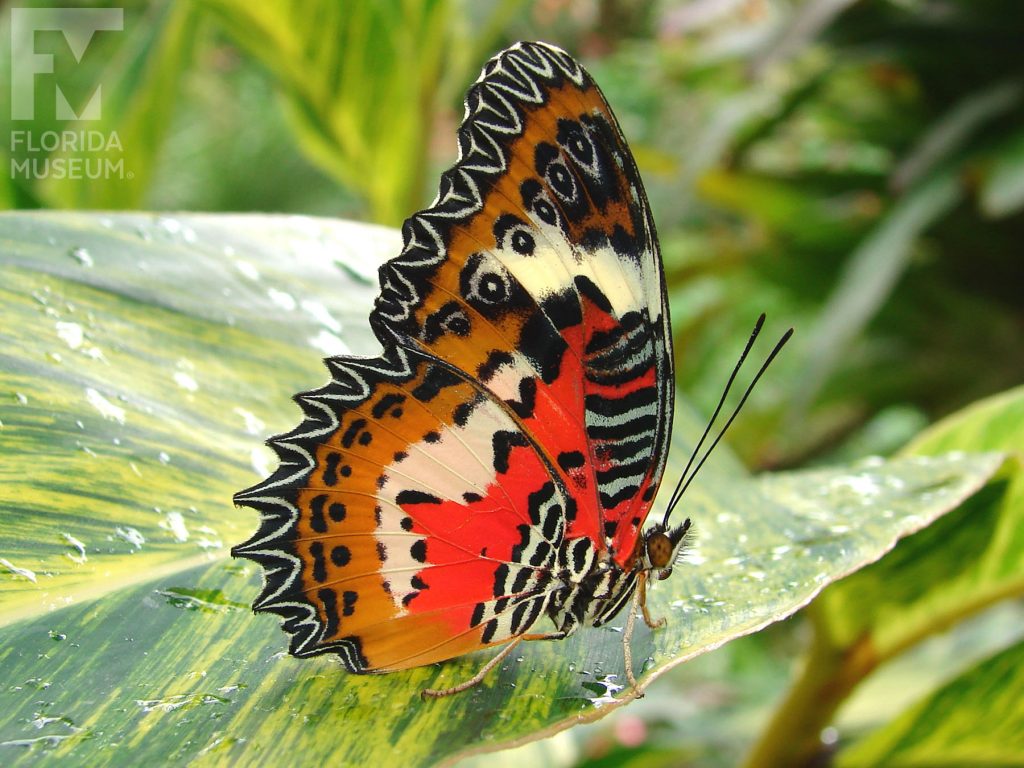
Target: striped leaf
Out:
[142,361]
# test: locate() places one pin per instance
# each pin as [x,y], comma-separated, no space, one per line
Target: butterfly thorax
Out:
[595,587]
[593,591]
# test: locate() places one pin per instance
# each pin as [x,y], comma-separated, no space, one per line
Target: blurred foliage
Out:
[853,168]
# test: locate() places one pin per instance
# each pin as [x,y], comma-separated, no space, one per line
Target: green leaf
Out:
[1002,189]
[966,562]
[870,275]
[144,357]
[361,82]
[977,719]
[952,131]
[139,93]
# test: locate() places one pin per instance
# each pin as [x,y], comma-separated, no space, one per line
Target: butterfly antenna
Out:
[687,476]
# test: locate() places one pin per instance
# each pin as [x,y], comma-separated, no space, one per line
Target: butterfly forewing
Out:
[549,289]
[523,399]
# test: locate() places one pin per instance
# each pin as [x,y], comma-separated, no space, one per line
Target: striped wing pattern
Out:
[431,497]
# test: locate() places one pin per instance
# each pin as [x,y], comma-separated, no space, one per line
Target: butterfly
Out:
[486,480]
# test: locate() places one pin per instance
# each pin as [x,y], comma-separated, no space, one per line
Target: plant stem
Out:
[793,736]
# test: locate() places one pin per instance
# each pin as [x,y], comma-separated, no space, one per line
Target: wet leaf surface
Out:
[142,361]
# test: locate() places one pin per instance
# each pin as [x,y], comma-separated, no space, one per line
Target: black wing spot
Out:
[385,403]
[535,200]
[353,430]
[511,231]
[572,138]
[579,553]
[495,360]
[550,528]
[316,549]
[523,407]
[462,413]
[587,288]
[412,496]
[419,551]
[341,555]
[503,442]
[518,614]
[337,511]
[570,460]
[541,555]
[448,319]
[349,601]
[570,509]
[486,284]
[543,346]
[331,468]
[521,580]
[523,242]
[626,245]
[535,501]
[500,577]
[316,513]
[329,599]
[563,309]
[435,379]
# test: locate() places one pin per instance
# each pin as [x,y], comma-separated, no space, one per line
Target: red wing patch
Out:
[425,505]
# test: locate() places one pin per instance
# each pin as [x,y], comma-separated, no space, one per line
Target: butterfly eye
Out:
[659,550]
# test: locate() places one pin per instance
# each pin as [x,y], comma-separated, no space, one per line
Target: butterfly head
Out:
[660,547]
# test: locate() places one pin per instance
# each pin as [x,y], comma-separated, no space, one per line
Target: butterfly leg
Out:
[639,597]
[642,592]
[437,693]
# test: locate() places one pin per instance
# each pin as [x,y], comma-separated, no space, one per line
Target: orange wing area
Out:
[427,528]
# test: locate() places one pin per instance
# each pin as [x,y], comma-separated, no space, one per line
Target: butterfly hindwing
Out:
[425,507]
[523,399]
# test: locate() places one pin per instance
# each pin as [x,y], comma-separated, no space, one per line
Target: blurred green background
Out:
[854,169]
